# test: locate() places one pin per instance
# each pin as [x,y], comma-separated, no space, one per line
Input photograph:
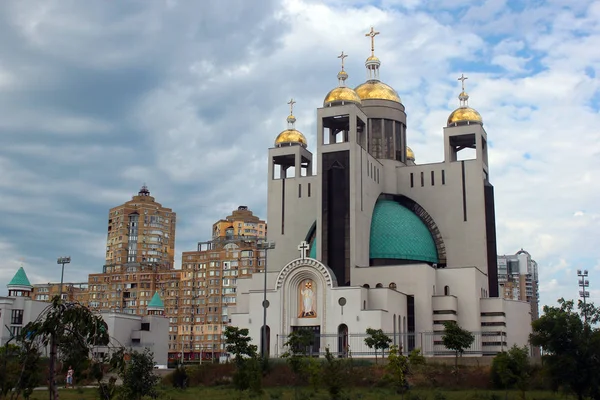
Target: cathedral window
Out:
[446,290]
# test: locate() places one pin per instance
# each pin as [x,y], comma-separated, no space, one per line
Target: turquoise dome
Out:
[398,233]
[313,248]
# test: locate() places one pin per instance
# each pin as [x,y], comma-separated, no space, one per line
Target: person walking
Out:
[70,374]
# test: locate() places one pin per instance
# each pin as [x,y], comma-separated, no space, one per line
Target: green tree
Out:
[456,339]
[138,375]
[248,373]
[296,355]
[334,373]
[511,369]
[9,368]
[377,340]
[571,346]
[397,370]
[63,325]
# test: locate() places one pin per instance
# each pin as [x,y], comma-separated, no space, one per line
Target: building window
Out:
[422,179]
[16,317]
[443,177]
[412,180]
[446,290]
[432,178]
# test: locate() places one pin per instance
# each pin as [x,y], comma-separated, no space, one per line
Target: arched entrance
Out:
[343,340]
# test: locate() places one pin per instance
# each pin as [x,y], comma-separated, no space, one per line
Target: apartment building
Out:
[518,279]
[209,283]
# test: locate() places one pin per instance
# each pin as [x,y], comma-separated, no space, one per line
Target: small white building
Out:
[131,331]
[139,332]
[385,243]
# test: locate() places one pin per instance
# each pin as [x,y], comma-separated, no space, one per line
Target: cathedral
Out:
[376,240]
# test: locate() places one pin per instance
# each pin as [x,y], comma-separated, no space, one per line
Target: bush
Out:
[179,377]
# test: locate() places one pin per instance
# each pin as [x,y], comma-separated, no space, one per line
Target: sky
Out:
[99,97]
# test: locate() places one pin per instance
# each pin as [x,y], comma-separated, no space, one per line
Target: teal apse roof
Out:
[398,233]
[20,279]
[156,301]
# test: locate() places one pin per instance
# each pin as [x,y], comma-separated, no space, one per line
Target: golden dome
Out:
[341,94]
[463,115]
[290,137]
[410,155]
[373,58]
[376,90]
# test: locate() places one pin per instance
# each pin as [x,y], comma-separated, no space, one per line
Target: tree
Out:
[397,370]
[248,373]
[138,375]
[377,340]
[298,343]
[64,325]
[511,369]
[334,374]
[456,339]
[571,346]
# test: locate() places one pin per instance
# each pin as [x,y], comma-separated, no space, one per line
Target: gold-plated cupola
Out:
[291,136]
[464,115]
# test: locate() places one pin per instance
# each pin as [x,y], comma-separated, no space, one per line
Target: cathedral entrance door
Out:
[315,345]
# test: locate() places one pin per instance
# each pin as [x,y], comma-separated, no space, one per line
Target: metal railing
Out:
[430,344]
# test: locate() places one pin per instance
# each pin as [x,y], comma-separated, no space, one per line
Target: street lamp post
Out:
[63,261]
[266,246]
[584,283]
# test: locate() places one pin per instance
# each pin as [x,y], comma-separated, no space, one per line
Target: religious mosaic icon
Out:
[307,299]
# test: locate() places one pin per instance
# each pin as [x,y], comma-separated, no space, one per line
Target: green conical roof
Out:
[20,279]
[398,233]
[156,301]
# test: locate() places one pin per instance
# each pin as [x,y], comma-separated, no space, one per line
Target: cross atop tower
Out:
[342,56]
[463,78]
[291,103]
[372,35]
[304,248]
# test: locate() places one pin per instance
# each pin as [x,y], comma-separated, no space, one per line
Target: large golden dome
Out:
[341,94]
[464,115]
[410,155]
[290,137]
[376,90]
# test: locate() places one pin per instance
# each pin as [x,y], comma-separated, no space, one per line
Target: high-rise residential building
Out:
[518,279]
[208,284]
[140,251]
[140,232]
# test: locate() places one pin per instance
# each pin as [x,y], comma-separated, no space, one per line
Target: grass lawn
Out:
[223,393]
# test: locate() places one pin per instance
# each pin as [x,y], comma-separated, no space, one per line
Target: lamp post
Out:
[266,246]
[584,283]
[63,261]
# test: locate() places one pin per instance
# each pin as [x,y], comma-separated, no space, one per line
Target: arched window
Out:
[379,285]
[393,285]
[343,340]
[366,286]
[446,290]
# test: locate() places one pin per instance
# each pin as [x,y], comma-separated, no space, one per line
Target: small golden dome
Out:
[463,115]
[373,58]
[410,155]
[341,94]
[290,137]
[376,90]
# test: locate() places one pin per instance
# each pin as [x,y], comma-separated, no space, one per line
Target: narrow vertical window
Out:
[412,180]
[422,179]
[309,189]
[443,177]
[432,178]
[299,190]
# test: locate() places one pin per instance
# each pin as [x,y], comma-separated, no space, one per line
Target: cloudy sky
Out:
[98,97]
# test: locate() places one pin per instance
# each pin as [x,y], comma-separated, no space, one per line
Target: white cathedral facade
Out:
[374,240]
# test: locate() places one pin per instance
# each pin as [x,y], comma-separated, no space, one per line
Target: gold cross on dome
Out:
[463,78]
[342,56]
[291,103]
[372,35]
